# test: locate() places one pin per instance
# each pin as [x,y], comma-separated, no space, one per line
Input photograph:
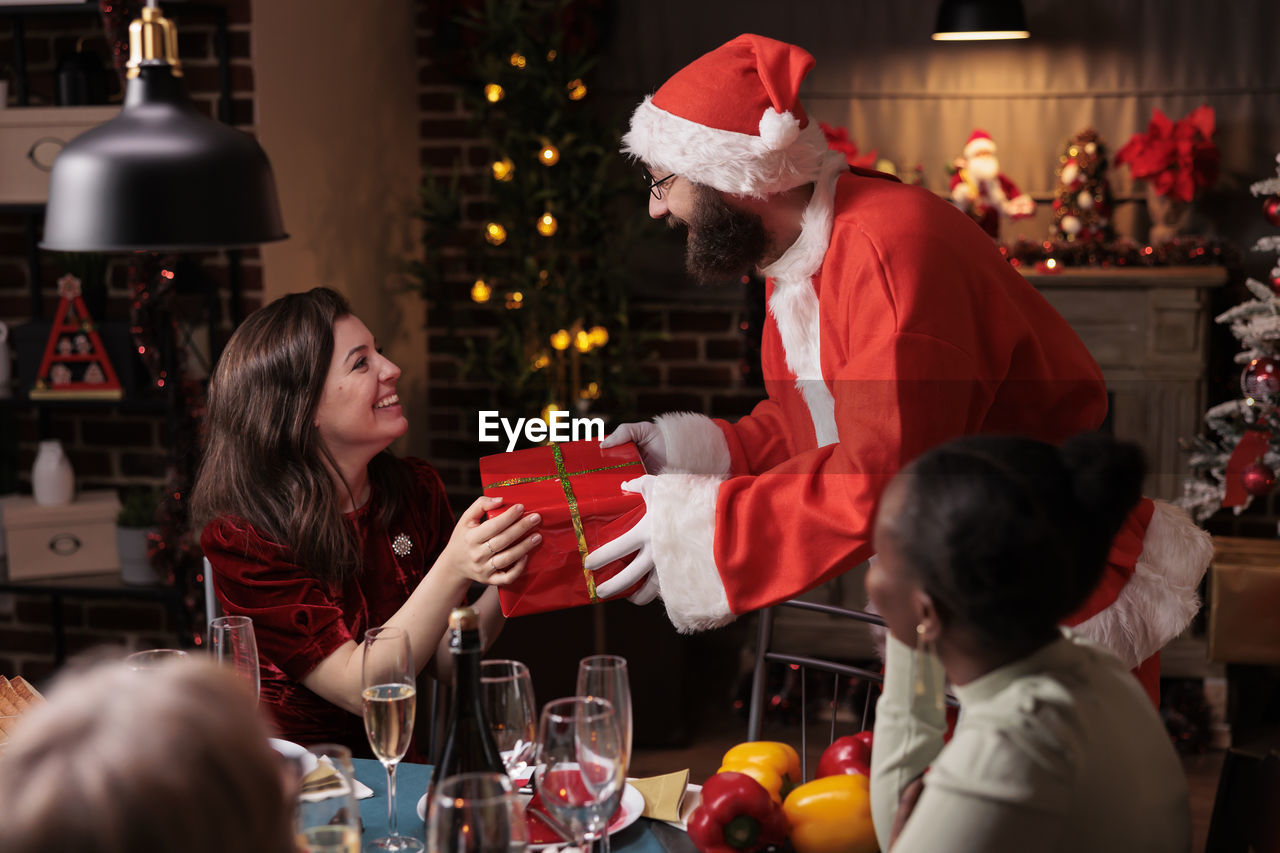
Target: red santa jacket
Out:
[893,326]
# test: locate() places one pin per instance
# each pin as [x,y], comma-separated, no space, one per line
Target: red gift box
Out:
[577,489]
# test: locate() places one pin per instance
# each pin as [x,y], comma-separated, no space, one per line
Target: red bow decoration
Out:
[1178,156]
[838,140]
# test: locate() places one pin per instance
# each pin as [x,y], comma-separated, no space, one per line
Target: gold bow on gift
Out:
[563,476]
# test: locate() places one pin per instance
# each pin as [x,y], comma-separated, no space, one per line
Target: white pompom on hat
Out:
[732,120]
[980,142]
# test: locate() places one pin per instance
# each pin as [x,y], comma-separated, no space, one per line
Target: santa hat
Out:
[979,143]
[732,120]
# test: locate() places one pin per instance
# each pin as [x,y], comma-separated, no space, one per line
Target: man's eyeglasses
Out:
[655,185]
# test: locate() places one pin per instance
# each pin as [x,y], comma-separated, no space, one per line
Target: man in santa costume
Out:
[893,325]
[979,188]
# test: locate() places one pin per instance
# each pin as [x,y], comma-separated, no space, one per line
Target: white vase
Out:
[53,482]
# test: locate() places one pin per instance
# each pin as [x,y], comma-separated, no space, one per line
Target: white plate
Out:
[632,808]
[295,751]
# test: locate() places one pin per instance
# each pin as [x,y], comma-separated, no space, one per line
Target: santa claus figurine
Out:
[981,190]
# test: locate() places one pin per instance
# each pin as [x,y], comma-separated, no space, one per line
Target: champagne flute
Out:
[152,658]
[327,818]
[506,692]
[581,769]
[606,676]
[476,813]
[390,701]
[232,643]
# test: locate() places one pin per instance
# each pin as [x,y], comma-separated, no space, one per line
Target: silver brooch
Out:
[402,545]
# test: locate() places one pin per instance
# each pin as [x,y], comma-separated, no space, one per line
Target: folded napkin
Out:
[663,795]
[325,781]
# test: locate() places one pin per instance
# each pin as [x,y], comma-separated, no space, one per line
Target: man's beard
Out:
[723,242]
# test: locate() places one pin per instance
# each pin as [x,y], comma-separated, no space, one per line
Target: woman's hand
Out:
[493,551]
[906,805]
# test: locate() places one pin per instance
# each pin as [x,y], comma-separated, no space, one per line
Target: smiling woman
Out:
[316,531]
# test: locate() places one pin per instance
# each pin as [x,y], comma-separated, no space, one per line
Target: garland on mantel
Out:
[1050,256]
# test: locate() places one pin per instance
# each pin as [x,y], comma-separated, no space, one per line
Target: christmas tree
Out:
[1236,458]
[1082,203]
[547,265]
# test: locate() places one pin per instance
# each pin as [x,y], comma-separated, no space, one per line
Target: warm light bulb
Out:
[548,410]
[495,234]
[494,93]
[551,56]
[547,224]
[591,392]
[515,300]
[541,361]
[577,90]
[1051,263]
[518,60]
[599,336]
[549,155]
[503,170]
[582,341]
[560,340]
[481,291]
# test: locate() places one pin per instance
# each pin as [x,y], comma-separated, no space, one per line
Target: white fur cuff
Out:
[694,444]
[1160,599]
[682,513]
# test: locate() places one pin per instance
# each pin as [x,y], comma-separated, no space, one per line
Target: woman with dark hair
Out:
[316,531]
[984,545]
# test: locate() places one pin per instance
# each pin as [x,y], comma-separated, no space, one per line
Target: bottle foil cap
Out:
[464,619]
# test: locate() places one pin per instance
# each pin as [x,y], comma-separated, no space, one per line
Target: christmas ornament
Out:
[74,347]
[980,189]
[1260,379]
[1271,210]
[1258,479]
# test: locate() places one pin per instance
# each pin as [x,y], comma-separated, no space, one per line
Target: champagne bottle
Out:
[468,745]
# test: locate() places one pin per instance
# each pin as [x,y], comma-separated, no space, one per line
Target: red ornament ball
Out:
[1271,210]
[1258,479]
[1260,378]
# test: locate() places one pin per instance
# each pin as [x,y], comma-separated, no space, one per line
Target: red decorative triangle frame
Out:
[73,340]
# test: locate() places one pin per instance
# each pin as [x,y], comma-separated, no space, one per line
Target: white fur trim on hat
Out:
[1160,598]
[694,444]
[782,157]
[682,514]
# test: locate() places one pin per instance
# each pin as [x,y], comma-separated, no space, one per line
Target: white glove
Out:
[649,441]
[634,540]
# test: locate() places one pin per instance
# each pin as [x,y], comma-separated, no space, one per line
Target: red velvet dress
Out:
[299,621]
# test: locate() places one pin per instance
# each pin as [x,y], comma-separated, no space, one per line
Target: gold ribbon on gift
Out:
[563,474]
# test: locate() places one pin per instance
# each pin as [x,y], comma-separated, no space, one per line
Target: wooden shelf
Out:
[1141,277]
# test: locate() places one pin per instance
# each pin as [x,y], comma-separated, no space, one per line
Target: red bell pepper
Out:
[736,815]
[848,754]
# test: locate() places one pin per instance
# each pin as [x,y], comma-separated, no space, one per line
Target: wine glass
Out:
[390,701]
[152,658]
[581,768]
[232,643]
[606,676]
[506,693]
[476,813]
[327,818]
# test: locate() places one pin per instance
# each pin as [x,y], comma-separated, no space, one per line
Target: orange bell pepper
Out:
[832,815]
[776,766]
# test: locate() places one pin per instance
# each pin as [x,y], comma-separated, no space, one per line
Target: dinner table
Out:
[643,836]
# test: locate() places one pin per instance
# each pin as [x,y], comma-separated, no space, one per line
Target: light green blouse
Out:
[1060,751]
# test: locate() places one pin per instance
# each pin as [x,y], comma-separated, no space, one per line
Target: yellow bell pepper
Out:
[832,815]
[776,766]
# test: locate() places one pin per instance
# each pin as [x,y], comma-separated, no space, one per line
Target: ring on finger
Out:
[488,543]
[492,568]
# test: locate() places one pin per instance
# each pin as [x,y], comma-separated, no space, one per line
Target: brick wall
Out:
[108,445]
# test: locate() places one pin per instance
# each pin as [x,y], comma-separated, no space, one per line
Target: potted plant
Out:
[1176,159]
[137,519]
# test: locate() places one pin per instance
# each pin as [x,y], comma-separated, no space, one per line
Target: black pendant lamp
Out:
[980,20]
[160,176]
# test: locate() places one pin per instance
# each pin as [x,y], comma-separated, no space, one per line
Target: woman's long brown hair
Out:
[264,461]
